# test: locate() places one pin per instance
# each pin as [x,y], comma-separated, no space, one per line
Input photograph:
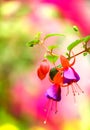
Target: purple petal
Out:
[76,75]
[70,75]
[68,81]
[54,92]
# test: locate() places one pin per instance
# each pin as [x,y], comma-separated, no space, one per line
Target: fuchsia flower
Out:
[61,76]
[43,69]
[54,95]
[70,76]
[64,76]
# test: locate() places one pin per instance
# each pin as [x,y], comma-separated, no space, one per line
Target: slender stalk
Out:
[70,57]
[86,50]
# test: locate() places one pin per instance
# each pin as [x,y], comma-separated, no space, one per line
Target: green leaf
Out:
[37,36]
[52,58]
[75,28]
[33,42]
[86,39]
[85,53]
[52,47]
[73,44]
[51,35]
[67,54]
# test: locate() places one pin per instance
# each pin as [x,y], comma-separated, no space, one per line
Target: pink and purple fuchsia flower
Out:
[63,76]
[70,76]
[54,95]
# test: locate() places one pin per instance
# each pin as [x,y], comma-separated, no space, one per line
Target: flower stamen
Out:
[50,102]
[67,91]
[78,87]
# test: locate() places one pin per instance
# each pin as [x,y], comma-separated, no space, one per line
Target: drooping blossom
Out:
[70,76]
[54,94]
[43,69]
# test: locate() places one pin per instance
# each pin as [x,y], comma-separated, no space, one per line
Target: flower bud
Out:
[44,66]
[40,74]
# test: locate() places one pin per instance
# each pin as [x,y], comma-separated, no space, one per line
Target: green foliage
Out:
[38,35]
[75,43]
[67,54]
[75,28]
[33,42]
[52,47]
[86,39]
[51,35]
[85,53]
[15,57]
[36,40]
[52,58]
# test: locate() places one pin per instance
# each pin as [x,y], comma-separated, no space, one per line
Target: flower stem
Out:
[86,50]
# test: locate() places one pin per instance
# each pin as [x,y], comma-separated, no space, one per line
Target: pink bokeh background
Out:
[28,92]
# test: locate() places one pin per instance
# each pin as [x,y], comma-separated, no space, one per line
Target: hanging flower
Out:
[66,75]
[70,76]
[40,74]
[54,95]
[44,66]
[43,69]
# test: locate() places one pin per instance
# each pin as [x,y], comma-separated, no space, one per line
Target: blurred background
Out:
[22,94]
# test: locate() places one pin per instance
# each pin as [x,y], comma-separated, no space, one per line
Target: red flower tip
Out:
[40,74]
[58,78]
[64,62]
[44,66]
